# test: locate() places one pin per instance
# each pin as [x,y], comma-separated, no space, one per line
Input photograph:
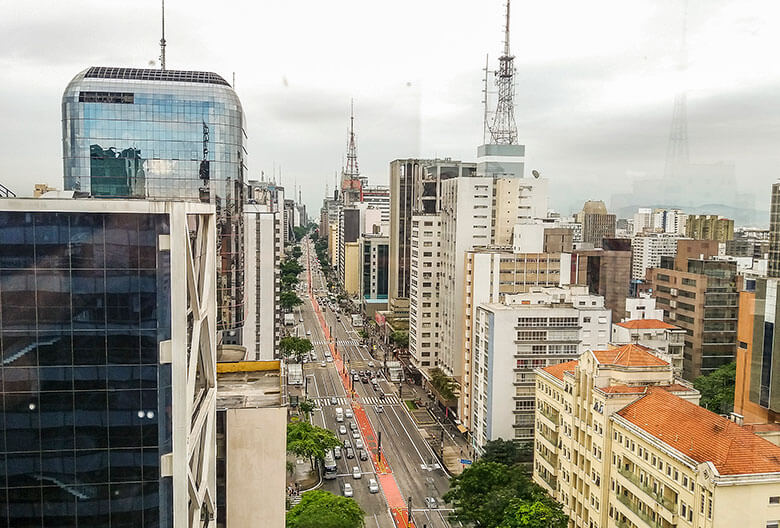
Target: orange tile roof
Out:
[702,435]
[560,368]
[630,355]
[646,324]
[641,389]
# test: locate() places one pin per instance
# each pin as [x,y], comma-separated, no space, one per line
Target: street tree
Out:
[443,384]
[502,451]
[322,509]
[306,407]
[717,389]
[482,493]
[310,441]
[288,300]
[545,513]
[295,347]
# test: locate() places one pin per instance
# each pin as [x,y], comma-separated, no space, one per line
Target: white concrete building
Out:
[544,327]
[477,211]
[263,249]
[642,307]
[424,289]
[647,250]
[665,340]
[373,253]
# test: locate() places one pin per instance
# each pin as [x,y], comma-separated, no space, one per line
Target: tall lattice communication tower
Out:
[677,156]
[503,129]
[352,171]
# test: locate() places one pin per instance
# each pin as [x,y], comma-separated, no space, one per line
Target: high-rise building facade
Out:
[774,233]
[415,188]
[647,250]
[757,393]
[709,227]
[702,299]
[606,272]
[597,223]
[424,284]
[374,271]
[545,326]
[621,442]
[163,134]
[107,328]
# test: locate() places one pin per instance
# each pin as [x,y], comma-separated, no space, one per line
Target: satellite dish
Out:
[535,173]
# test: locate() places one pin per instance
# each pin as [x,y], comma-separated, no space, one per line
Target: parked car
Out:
[347,489]
[373,487]
[356,474]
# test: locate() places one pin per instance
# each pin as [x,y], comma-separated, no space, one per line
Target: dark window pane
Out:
[21,379]
[121,232]
[122,299]
[124,420]
[123,348]
[89,299]
[19,349]
[93,511]
[22,469]
[126,505]
[89,348]
[124,377]
[91,420]
[126,465]
[24,506]
[92,466]
[52,233]
[56,378]
[53,291]
[87,241]
[59,507]
[17,294]
[17,249]
[22,422]
[89,378]
[56,420]
[54,349]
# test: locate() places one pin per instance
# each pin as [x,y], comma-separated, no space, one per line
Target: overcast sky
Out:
[595,82]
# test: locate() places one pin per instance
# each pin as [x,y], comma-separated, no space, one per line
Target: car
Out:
[347,443]
[370,363]
[352,372]
[364,379]
[356,474]
[314,356]
[330,359]
[300,320]
[334,400]
[380,409]
[362,454]
[373,487]
[355,377]
[323,364]
[350,452]
[356,435]
[353,426]
[381,395]
[337,452]
[348,413]
[342,429]
[347,489]
[431,503]
[308,332]
[359,443]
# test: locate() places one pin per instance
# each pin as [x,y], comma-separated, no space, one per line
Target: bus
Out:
[329,466]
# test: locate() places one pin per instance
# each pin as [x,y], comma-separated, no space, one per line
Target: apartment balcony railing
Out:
[550,480]
[656,496]
[550,438]
[553,417]
[638,512]
[551,459]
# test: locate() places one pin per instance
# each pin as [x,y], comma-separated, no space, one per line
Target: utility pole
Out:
[379,446]
[409,511]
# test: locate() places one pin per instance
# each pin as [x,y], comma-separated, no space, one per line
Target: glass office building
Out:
[107,374]
[84,302]
[163,134]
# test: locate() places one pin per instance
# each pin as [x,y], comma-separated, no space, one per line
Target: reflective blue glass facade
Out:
[158,134]
[84,303]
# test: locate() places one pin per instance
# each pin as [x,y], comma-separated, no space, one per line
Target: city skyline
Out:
[607,121]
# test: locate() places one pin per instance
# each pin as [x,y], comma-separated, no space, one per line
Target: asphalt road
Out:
[414,465]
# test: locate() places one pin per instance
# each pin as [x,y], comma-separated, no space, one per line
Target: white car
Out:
[347,489]
[356,435]
[373,487]
[431,503]
[330,359]
[356,474]
[342,429]
[380,409]
[348,413]
[358,443]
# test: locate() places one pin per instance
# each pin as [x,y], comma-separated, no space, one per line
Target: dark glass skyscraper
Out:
[163,134]
[100,401]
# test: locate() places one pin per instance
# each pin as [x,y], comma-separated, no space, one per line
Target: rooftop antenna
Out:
[503,131]
[234,80]
[485,100]
[162,40]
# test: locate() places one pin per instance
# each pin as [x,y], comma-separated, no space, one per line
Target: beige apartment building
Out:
[620,442]
[425,273]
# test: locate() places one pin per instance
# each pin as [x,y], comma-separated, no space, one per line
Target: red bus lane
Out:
[385,478]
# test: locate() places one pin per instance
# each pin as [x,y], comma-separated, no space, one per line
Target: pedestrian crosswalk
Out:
[365,400]
[341,342]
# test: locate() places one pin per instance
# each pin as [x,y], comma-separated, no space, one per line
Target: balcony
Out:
[551,459]
[634,508]
[655,496]
[552,438]
[551,416]
[549,480]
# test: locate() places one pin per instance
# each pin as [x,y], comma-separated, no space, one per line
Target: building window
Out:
[774,499]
